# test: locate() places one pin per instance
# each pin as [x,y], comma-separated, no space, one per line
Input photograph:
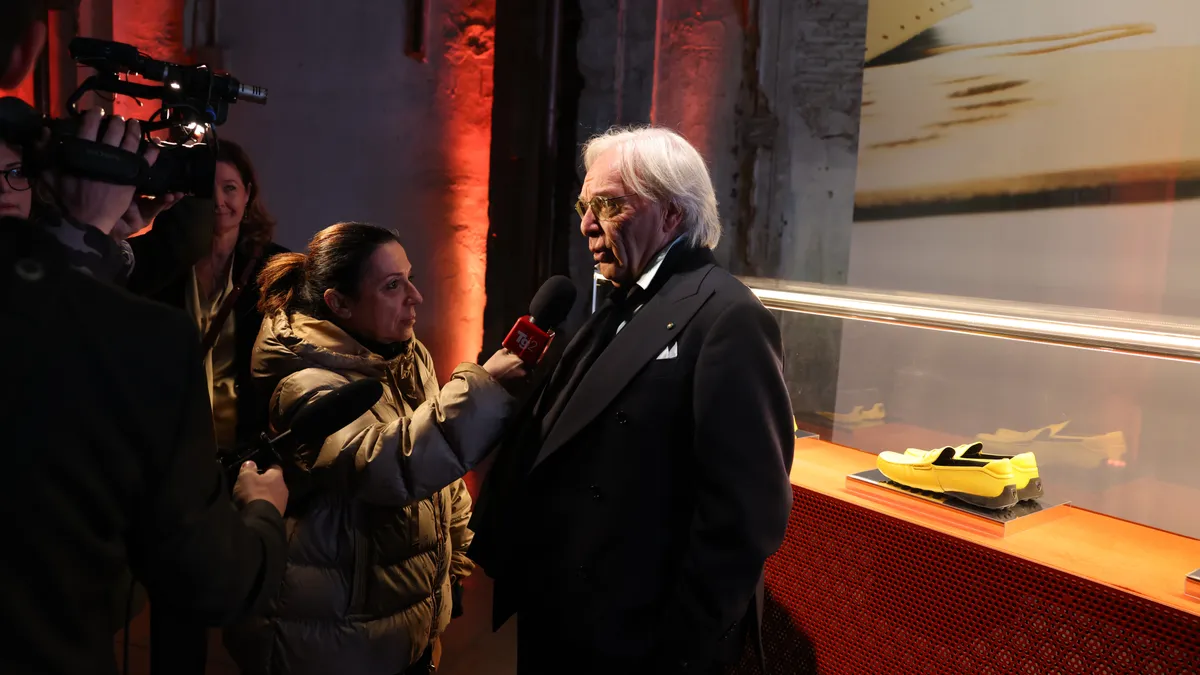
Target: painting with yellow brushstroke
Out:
[989,105]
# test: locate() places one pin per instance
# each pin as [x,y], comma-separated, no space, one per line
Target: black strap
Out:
[226,308]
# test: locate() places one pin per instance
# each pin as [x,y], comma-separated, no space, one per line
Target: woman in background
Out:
[220,290]
[377,522]
[16,195]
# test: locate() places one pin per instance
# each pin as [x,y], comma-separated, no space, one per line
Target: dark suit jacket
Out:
[636,531]
[110,464]
[163,261]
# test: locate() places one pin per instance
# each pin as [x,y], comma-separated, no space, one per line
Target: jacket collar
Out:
[287,344]
[656,264]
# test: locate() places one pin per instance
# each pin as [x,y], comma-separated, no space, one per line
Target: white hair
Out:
[659,165]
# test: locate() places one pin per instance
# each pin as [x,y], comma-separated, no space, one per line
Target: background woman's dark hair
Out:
[336,259]
[258,227]
[21,125]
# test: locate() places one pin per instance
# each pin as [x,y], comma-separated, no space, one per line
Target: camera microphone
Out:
[331,412]
[316,421]
[116,57]
[533,333]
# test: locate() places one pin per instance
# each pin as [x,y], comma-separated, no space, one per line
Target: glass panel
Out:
[1043,152]
[1113,433]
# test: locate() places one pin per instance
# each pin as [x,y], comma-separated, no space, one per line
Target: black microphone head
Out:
[335,410]
[552,302]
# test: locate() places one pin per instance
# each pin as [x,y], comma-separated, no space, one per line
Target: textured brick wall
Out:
[775,113]
[156,27]
[615,57]
[804,185]
[810,69]
[357,130]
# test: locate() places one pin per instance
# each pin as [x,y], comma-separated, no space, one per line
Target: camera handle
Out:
[112,84]
[97,161]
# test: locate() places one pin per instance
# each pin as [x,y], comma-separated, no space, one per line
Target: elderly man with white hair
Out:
[628,515]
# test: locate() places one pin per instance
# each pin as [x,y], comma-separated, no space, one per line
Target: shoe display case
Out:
[1002,365]
[1092,572]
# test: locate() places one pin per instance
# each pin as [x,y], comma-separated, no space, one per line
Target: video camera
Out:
[195,100]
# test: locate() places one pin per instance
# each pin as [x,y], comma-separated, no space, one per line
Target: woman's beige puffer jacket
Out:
[377,517]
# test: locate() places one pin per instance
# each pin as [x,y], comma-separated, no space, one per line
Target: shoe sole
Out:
[1032,490]
[1006,498]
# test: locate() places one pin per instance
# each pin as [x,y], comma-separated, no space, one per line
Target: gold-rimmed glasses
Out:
[602,207]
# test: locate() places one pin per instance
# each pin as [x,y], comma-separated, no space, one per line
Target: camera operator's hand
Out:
[93,202]
[252,486]
[141,213]
[505,367]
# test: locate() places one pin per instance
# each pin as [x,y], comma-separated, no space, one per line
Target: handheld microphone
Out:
[316,421]
[533,333]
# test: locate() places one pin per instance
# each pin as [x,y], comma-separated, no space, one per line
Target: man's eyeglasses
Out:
[16,178]
[602,207]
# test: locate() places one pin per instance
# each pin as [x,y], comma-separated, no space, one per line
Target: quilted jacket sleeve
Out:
[408,459]
[460,535]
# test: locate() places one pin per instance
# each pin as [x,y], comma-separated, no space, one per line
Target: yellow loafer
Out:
[990,484]
[1024,466]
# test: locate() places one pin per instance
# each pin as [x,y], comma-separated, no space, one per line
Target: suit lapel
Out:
[568,357]
[656,324]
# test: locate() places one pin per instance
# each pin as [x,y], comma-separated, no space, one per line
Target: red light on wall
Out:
[692,68]
[464,104]
[24,92]
[156,28]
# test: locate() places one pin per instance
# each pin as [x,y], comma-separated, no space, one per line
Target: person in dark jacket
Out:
[627,519]
[110,436]
[218,289]
[240,230]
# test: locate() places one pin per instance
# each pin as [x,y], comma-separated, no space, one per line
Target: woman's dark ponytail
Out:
[280,282]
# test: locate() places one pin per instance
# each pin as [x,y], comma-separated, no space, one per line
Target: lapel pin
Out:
[670,325]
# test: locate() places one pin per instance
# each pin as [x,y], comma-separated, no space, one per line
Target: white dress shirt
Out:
[648,276]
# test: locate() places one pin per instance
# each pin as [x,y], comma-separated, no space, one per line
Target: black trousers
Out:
[547,645]
[178,644]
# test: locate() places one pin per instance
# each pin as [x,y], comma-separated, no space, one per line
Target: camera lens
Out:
[179,169]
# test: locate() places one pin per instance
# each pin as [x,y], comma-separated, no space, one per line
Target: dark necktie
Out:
[569,373]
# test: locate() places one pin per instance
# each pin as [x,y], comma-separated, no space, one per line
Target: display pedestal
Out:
[1191,585]
[872,580]
[1000,523]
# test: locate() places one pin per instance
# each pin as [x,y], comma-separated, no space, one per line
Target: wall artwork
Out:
[989,105]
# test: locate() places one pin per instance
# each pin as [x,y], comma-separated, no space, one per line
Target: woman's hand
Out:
[505,367]
[141,213]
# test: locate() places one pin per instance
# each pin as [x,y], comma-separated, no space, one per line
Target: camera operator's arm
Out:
[181,236]
[92,209]
[192,549]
